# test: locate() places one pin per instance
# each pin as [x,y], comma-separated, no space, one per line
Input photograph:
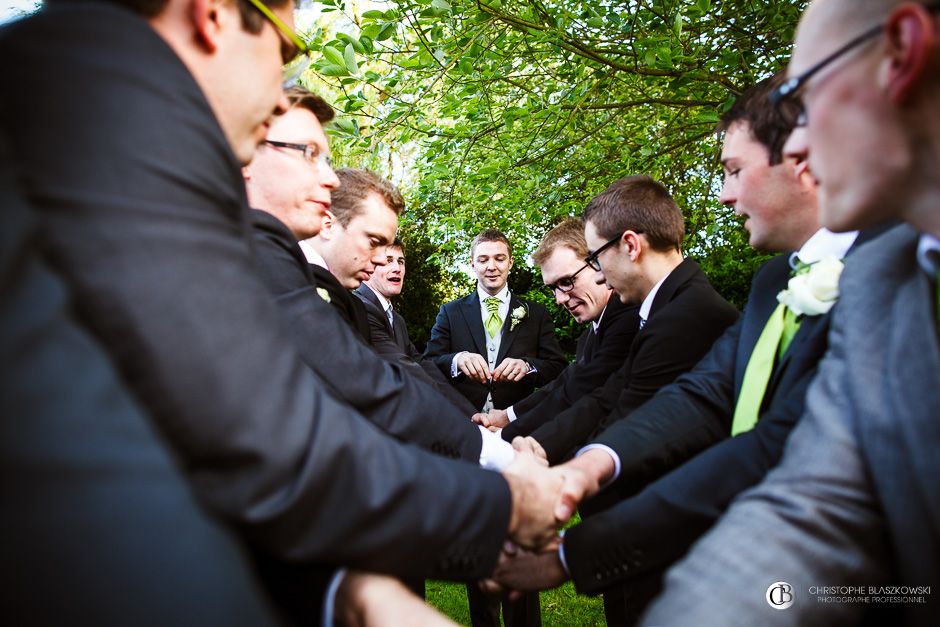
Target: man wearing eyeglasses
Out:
[293,188]
[601,349]
[854,500]
[143,210]
[635,230]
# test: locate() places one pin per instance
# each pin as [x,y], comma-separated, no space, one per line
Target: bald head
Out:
[873,127]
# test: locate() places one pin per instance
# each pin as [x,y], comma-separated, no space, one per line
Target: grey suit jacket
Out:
[854,500]
[143,210]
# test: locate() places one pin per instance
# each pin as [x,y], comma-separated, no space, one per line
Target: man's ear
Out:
[326,226]
[246,173]
[911,37]
[633,244]
[207,17]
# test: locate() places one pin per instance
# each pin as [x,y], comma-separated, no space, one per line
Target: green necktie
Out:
[493,322]
[772,344]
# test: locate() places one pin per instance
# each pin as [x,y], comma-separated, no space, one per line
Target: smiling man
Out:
[146,218]
[635,230]
[601,349]
[495,348]
[853,501]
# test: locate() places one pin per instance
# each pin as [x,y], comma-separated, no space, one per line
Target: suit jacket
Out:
[87,488]
[149,224]
[384,393]
[394,345]
[639,537]
[459,327]
[686,317]
[853,499]
[344,303]
[598,355]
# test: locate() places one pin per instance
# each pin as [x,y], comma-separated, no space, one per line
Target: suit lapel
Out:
[470,308]
[509,334]
[372,300]
[912,365]
[682,273]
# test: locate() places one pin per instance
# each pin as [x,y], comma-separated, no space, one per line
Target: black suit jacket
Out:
[598,356]
[146,217]
[99,526]
[686,317]
[459,327]
[392,343]
[385,393]
[346,305]
[643,535]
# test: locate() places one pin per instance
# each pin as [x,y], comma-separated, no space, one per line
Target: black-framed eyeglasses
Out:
[565,283]
[312,153]
[787,98]
[592,259]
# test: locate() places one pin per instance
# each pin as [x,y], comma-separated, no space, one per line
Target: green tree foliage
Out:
[513,113]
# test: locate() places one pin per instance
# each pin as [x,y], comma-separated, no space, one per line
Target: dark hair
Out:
[252,19]
[769,125]
[638,203]
[355,186]
[489,235]
[298,96]
[398,244]
[569,233]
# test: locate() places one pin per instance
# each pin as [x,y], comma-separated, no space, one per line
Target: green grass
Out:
[560,607]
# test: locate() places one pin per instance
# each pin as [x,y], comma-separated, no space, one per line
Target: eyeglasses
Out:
[295,53]
[565,283]
[312,153]
[592,259]
[787,96]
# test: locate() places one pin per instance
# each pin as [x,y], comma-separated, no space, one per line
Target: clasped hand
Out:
[476,367]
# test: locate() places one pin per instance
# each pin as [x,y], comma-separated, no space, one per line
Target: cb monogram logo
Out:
[779,595]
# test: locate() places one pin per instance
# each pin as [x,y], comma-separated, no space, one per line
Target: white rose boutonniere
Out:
[322,293]
[814,289]
[516,316]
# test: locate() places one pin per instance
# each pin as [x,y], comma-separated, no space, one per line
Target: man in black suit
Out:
[148,224]
[517,338]
[496,348]
[602,348]
[99,526]
[292,193]
[633,542]
[388,331]
[351,242]
[635,229]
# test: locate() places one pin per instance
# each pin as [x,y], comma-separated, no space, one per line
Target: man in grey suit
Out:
[854,502]
[148,224]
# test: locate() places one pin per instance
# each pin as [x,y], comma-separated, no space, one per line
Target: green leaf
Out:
[329,69]
[349,56]
[352,40]
[373,15]
[333,56]
[441,4]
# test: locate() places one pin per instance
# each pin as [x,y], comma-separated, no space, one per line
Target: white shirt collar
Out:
[384,302]
[312,255]
[648,301]
[597,323]
[502,295]
[928,254]
[824,243]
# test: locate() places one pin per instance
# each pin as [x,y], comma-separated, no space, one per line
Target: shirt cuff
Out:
[496,452]
[454,370]
[511,413]
[329,602]
[613,456]
[561,554]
